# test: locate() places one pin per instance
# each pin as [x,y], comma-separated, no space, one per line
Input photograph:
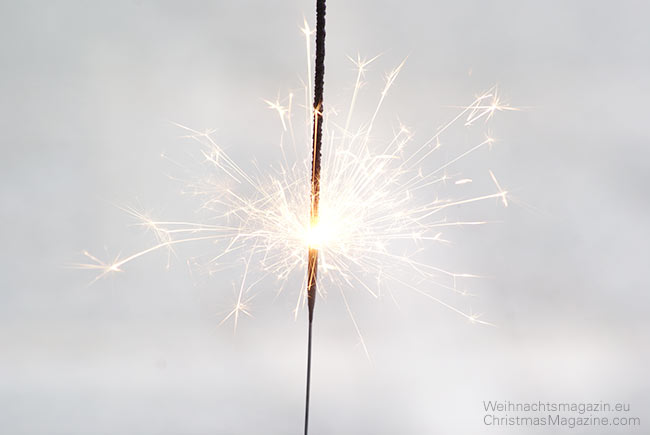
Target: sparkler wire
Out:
[312,268]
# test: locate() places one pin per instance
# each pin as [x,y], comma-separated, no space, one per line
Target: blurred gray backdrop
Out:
[86,93]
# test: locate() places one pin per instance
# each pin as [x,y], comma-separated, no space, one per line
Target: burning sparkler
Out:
[312,262]
[371,203]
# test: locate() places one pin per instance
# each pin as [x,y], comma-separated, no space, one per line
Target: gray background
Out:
[86,92]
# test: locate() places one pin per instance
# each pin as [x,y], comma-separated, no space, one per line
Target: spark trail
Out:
[379,206]
[370,201]
[370,207]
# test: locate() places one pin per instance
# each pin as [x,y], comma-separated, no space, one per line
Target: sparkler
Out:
[375,199]
[312,263]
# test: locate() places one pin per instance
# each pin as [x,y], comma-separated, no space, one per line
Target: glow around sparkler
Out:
[378,205]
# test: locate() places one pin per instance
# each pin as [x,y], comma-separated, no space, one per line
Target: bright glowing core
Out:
[318,234]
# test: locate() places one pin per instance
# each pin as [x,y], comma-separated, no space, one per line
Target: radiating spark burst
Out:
[374,205]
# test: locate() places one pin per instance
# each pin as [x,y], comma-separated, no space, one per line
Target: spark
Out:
[280,109]
[488,105]
[502,193]
[242,306]
[380,205]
